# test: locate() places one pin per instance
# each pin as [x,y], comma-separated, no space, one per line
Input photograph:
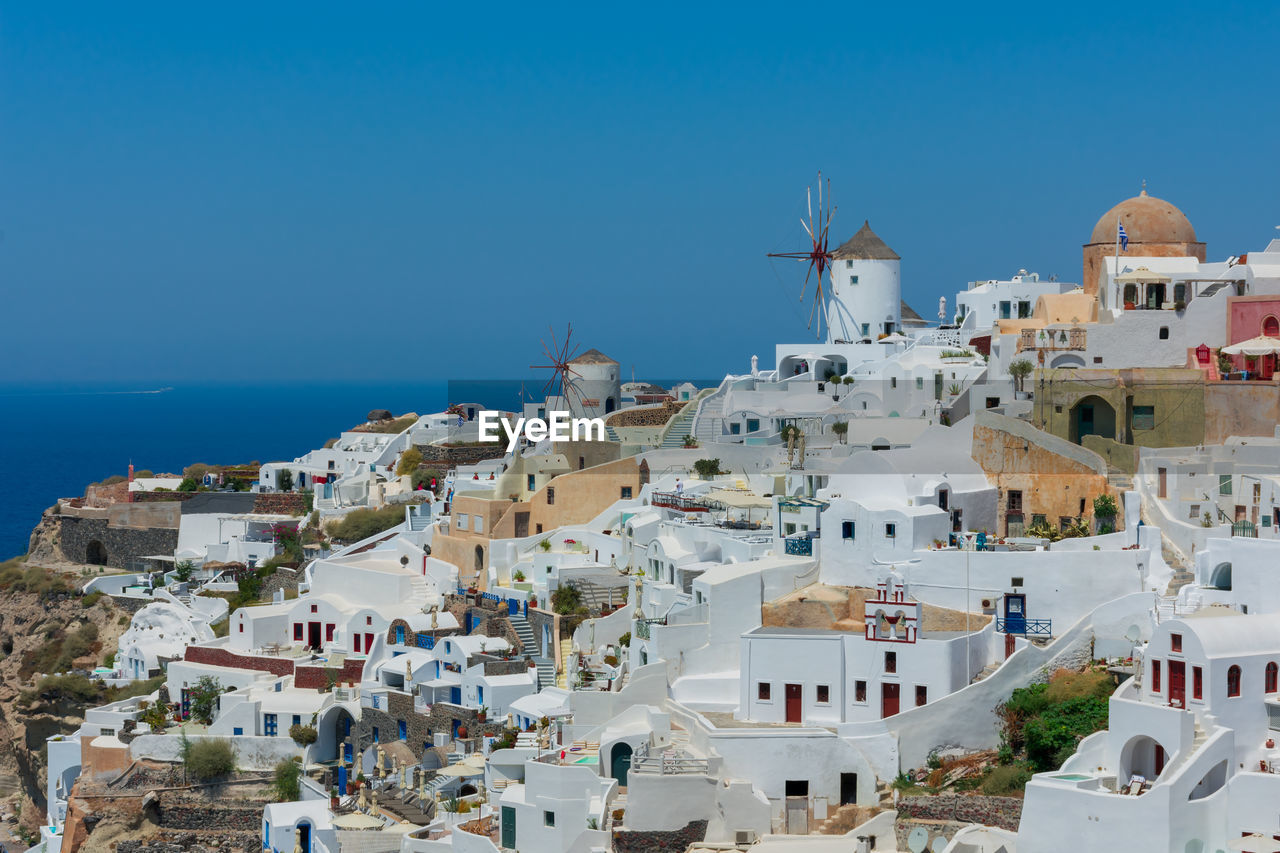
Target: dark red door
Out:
[1159,759]
[793,703]
[888,700]
[368,643]
[313,635]
[1177,684]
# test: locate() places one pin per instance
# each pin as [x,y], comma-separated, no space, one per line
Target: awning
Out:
[1254,346]
[461,769]
[357,820]
[739,499]
[1142,275]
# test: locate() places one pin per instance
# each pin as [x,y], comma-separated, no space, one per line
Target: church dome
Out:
[1146,219]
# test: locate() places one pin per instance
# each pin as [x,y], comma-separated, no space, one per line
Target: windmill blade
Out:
[808,273]
[806,228]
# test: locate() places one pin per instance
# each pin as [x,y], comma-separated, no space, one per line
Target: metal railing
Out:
[669,763]
[800,546]
[1025,627]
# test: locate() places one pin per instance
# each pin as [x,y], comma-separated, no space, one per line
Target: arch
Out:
[333,726]
[1142,756]
[479,559]
[1067,360]
[1211,782]
[880,444]
[609,405]
[620,762]
[95,554]
[1270,326]
[1221,577]
[1272,672]
[467,790]
[1233,680]
[1092,415]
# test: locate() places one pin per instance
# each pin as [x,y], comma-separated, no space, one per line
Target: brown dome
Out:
[1146,220]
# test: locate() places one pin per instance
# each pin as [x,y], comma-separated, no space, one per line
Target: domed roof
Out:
[1146,219]
[865,246]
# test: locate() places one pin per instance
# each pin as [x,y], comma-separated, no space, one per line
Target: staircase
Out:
[546,672]
[1214,288]
[845,818]
[986,672]
[419,521]
[562,673]
[709,426]
[678,427]
[528,645]
[1119,481]
[611,433]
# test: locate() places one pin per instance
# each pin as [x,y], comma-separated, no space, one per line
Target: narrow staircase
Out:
[528,645]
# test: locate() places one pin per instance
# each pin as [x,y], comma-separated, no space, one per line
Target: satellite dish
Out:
[918,840]
[1133,635]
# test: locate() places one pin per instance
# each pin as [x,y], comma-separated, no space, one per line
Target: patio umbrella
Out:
[1255,347]
[1256,843]
[356,820]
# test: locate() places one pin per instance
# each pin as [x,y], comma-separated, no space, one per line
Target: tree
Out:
[1105,510]
[1019,370]
[566,600]
[286,480]
[303,735]
[409,461]
[208,758]
[840,428]
[182,570]
[287,785]
[189,484]
[204,698]
[707,468]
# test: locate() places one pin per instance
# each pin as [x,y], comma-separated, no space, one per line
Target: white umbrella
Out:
[1254,346]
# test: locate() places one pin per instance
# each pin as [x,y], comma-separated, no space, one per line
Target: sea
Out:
[57,439]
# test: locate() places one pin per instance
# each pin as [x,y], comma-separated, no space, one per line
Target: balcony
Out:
[800,546]
[1025,627]
[669,763]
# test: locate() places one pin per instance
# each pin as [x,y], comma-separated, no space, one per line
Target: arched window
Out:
[1272,672]
[1233,681]
[1271,326]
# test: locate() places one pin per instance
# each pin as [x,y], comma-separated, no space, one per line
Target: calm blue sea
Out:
[56,439]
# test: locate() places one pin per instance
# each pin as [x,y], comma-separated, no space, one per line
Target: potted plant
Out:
[1179,306]
[333,797]
[518,576]
[483,713]
[545,545]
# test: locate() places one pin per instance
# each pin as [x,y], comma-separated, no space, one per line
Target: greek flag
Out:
[1121,236]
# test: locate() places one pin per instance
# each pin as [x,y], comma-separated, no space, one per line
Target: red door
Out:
[1177,684]
[1159,759]
[793,703]
[368,643]
[313,635]
[888,700]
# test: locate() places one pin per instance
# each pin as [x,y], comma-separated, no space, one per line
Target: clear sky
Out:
[270,191]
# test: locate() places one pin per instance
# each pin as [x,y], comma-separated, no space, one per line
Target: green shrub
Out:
[566,600]
[303,735]
[362,523]
[208,758]
[625,640]
[707,468]
[1006,779]
[91,599]
[76,688]
[203,698]
[287,785]
[409,461]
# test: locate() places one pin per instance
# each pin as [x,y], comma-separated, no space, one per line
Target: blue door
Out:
[513,607]
[346,752]
[455,695]
[1015,614]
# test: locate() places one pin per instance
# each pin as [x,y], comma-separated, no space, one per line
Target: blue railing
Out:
[800,546]
[489,596]
[1025,627]
[426,641]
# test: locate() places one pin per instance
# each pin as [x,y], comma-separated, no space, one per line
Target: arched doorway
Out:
[1142,756]
[1092,415]
[1221,577]
[620,762]
[467,790]
[479,559]
[609,405]
[96,553]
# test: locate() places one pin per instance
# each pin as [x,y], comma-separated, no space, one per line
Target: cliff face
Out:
[44,547]
[42,627]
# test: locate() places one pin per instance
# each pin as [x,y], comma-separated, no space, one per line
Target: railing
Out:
[668,764]
[1244,528]
[1025,627]
[642,627]
[1052,339]
[677,500]
[695,615]
[800,546]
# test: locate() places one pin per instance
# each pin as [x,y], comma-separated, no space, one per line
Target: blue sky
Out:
[276,191]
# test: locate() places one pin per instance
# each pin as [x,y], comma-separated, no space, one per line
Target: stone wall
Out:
[198,813]
[160,497]
[436,455]
[656,841]
[283,578]
[283,503]
[317,677]
[650,417]
[190,842]
[116,546]
[223,657]
[419,728]
[1003,812]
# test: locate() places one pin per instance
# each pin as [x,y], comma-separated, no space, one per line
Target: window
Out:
[890,531]
[919,383]
[866,329]
[1164,333]
[296,721]
[846,530]
[1224,484]
[1272,672]
[297,630]
[860,691]
[1097,359]
[893,382]
[462,521]
[824,693]
[1144,417]
[1233,681]
[368,620]
[237,731]
[241,627]
[848,265]
[269,725]
[853,279]
[796,788]
[1016,582]
[548,818]
[1015,500]
[993,402]
[314,608]
[477,523]
[735,429]
[763,691]
[355,643]
[539,528]
[1024,310]
[531,486]
[403,729]
[922,695]
[1197,682]
[551,498]
[1195,510]
[1155,676]
[1175,642]
[375,734]
[890,661]
[753,424]
[626,493]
